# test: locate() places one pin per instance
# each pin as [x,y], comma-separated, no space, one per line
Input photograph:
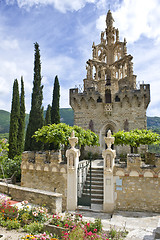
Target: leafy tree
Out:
[47,146]
[136,137]
[14,121]
[3,148]
[36,114]
[48,115]
[59,134]
[55,115]
[20,137]
[12,166]
[3,154]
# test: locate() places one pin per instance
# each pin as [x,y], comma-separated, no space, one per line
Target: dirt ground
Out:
[12,234]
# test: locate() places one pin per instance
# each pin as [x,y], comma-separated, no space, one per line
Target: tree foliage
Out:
[21,129]
[3,149]
[14,121]
[59,134]
[36,114]
[48,115]
[136,137]
[55,115]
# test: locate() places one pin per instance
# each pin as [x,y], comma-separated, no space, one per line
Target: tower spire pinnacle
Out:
[109,19]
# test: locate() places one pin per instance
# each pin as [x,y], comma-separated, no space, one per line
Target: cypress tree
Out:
[21,130]
[36,114]
[14,121]
[48,121]
[48,115]
[55,115]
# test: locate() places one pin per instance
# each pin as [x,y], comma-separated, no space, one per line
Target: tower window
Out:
[126,125]
[108,96]
[117,99]
[99,99]
[91,127]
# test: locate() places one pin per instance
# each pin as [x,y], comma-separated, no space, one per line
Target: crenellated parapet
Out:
[135,167]
[48,161]
[87,99]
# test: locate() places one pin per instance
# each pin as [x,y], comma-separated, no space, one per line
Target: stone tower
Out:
[110,99]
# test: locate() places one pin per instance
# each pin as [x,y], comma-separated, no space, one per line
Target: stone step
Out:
[97,201]
[95,182]
[94,187]
[94,196]
[100,171]
[94,191]
[95,173]
[94,178]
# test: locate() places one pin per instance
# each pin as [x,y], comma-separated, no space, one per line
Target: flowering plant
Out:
[32,214]
[8,211]
[67,220]
[43,236]
[4,198]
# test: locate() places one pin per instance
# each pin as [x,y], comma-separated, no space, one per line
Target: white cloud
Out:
[61,5]
[135,18]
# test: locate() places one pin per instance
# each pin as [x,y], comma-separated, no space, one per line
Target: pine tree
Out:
[14,121]
[36,114]
[48,115]
[55,115]
[21,130]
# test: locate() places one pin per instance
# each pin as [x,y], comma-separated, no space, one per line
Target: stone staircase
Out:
[96,185]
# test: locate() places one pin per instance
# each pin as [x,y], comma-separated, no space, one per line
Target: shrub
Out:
[8,211]
[34,228]
[12,224]
[12,166]
[34,214]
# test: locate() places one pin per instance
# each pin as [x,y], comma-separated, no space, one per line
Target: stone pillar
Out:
[72,165]
[108,185]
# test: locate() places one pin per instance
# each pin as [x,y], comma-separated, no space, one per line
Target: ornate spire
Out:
[109,19]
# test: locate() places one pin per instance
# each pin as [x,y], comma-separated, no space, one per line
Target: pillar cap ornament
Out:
[109,140]
[73,140]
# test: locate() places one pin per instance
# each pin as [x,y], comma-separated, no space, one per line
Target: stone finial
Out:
[109,19]
[73,140]
[109,140]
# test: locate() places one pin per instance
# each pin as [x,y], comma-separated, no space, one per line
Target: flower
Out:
[90,233]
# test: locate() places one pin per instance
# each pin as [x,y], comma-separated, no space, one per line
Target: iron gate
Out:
[84,183]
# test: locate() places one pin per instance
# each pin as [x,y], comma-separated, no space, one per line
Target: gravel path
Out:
[12,234]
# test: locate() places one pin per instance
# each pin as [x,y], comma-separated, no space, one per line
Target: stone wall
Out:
[44,170]
[137,186]
[53,201]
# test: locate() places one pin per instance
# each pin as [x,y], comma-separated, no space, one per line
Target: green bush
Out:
[12,224]
[11,166]
[34,228]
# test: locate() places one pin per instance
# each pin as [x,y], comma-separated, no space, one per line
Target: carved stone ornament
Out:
[71,160]
[73,140]
[108,108]
[109,140]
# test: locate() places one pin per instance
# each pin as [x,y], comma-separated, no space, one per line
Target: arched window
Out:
[91,127]
[108,96]
[117,99]
[126,125]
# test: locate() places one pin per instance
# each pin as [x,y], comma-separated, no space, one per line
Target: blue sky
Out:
[65,31]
